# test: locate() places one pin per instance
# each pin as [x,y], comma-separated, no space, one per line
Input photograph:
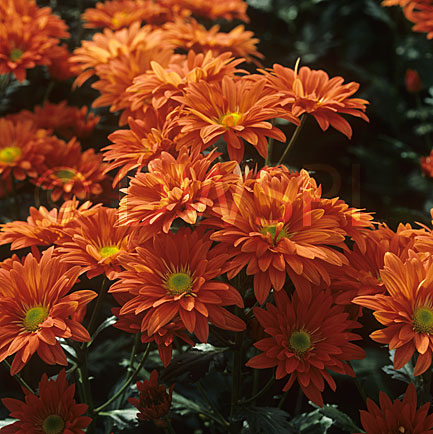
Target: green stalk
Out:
[260,392]
[221,418]
[236,382]
[18,378]
[96,310]
[293,138]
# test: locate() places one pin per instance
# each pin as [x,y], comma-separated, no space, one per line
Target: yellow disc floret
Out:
[53,424]
[423,320]
[33,317]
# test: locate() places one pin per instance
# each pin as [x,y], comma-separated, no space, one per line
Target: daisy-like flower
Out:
[191,35]
[313,92]
[173,276]
[406,310]
[182,187]
[95,242]
[397,416]
[420,13]
[275,226]
[43,227]
[69,172]
[35,310]
[307,337]
[234,109]
[154,401]
[54,411]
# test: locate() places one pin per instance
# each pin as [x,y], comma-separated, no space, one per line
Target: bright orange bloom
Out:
[235,109]
[53,411]
[308,337]
[406,310]
[35,310]
[397,416]
[144,141]
[277,227]
[183,187]
[95,242]
[69,172]
[174,276]
[191,35]
[43,227]
[309,91]
[158,86]
[153,402]
[420,13]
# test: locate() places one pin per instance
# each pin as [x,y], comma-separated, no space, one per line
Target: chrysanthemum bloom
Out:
[153,402]
[406,310]
[68,172]
[43,227]
[397,416]
[427,164]
[308,337]
[420,13]
[35,310]
[277,228]
[173,275]
[158,86]
[95,242]
[59,67]
[182,187]
[144,141]
[313,92]
[190,35]
[236,110]
[54,411]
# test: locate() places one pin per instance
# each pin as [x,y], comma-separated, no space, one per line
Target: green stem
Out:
[85,382]
[283,398]
[18,378]
[270,147]
[260,392]
[293,138]
[358,385]
[169,427]
[127,382]
[221,420]
[236,382]
[426,385]
[96,310]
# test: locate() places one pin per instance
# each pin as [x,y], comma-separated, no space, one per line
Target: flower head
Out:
[54,411]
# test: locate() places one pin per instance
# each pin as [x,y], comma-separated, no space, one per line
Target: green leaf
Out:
[340,419]
[7,422]
[264,420]
[404,374]
[107,323]
[311,423]
[124,418]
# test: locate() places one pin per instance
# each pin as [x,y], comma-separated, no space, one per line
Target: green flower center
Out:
[53,424]
[9,154]
[107,251]
[300,342]
[272,231]
[34,317]
[178,283]
[423,320]
[65,175]
[230,119]
[15,54]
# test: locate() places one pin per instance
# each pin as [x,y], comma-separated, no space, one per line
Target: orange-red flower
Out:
[68,172]
[406,310]
[43,227]
[35,310]
[153,402]
[420,13]
[59,67]
[313,92]
[183,187]
[308,337]
[53,411]
[397,416]
[413,81]
[235,109]
[427,164]
[276,226]
[173,276]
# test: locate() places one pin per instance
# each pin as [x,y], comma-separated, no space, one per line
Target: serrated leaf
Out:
[264,420]
[311,423]
[124,418]
[340,419]
[404,374]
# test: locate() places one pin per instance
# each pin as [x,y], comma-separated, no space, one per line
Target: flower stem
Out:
[18,378]
[221,418]
[127,382]
[293,138]
[96,310]
[260,392]
[236,382]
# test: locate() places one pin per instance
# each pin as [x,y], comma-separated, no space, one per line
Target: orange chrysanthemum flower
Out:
[59,67]
[43,227]
[190,35]
[420,13]
[53,411]
[309,91]
[406,310]
[174,276]
[35,310]
[235,109]
[95,242]
[397,416]
[69,172]
[308,337]
[144,141]
[276,226]
[182,187]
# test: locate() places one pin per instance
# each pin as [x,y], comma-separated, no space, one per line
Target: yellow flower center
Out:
[300,342]
[65,175]
[401,429]
[118,18]
[230,119]
[178,283]
[9,154]
[15,54]
[53,424]
[272,231]
[34,316]
[423,320]
[107,251]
